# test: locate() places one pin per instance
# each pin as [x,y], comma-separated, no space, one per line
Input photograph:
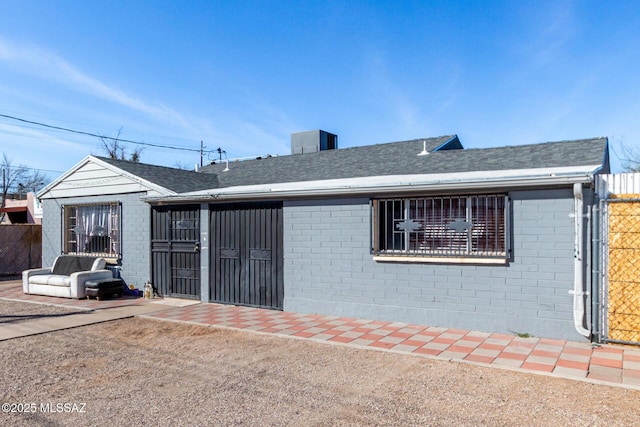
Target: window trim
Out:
[67,233]
[475,260]
[445,256]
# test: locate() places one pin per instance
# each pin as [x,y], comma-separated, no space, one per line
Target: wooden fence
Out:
[20,248]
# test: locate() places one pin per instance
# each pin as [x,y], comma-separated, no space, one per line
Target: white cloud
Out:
[39,149]
[553,28]
[414,112]
[22,136]
[50,66]
[260,128]
[382,86]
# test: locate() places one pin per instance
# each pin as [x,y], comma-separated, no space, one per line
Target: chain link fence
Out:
[620,267]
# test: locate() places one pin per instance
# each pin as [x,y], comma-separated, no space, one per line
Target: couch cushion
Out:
[50,279]
[99,264]
[65,265]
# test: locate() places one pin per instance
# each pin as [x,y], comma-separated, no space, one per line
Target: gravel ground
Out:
[138,372]
[18,312]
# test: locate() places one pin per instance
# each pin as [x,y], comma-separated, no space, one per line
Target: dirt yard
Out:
[144,372]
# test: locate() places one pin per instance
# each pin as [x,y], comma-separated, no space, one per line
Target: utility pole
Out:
[4,186]
[201,153]
[4,193]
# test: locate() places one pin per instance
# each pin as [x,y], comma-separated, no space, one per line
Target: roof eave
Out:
[354,189]
[146,183]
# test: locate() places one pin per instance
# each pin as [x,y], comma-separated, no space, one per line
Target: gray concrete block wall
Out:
[136,219]
[329,269]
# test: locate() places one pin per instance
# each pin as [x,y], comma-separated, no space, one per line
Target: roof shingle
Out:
[177,180]
[401,158]
[446,155]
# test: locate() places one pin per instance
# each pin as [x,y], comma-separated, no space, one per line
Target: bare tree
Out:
[630,159]
[183,166]
[18,180]
[117,150]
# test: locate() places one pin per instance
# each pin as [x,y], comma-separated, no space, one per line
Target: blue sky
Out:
[244,75]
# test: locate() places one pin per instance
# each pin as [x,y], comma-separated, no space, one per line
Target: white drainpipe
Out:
[578,292]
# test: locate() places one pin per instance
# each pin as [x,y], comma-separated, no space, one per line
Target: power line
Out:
[41,170]
[22,167]
[78,132]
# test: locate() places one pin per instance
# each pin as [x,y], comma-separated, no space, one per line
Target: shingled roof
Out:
[562,154]
[401,158]
[371,160]
[446,156]
[177,180]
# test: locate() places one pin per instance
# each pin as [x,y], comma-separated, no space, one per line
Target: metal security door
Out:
[175,250]
[246,254]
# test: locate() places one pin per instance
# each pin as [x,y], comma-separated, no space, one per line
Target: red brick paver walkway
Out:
[608,364]
[612,364]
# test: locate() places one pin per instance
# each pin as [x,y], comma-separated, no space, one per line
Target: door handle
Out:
[196,248]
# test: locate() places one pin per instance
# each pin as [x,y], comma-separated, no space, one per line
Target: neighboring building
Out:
[22,211]
[419,231]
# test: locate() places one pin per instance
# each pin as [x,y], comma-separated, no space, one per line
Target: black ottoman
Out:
[103,288]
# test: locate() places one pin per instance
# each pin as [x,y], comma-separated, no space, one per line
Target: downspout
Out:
[578,286]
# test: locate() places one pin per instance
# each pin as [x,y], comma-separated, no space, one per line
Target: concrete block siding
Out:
[135,233]
[328,269]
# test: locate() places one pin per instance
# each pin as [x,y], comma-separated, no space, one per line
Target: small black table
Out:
[103,288]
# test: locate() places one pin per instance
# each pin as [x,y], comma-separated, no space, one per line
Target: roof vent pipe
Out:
[226,169]
[424,151]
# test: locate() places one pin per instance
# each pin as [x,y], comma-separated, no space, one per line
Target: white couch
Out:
[66,278]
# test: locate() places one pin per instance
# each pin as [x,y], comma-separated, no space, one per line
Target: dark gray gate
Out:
[175,250]
[246,254]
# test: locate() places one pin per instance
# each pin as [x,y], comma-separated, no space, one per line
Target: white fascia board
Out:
[62,177]
[91,159]
[398,183]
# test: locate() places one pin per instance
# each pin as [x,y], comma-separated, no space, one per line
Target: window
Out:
[92,229]
[453,226]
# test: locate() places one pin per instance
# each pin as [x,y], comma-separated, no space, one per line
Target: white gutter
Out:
[578,286]
[393,184]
